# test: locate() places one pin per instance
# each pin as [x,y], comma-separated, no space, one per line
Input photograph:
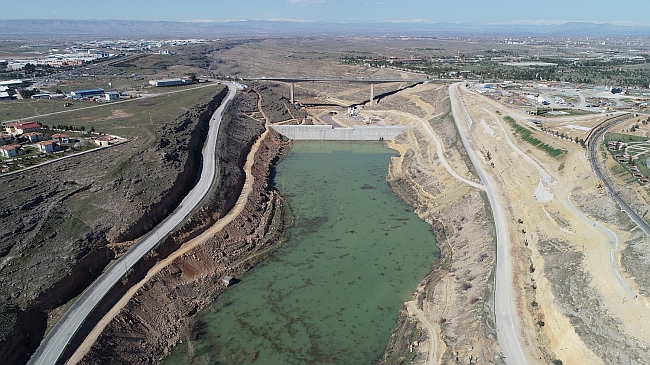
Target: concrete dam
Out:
[329,133]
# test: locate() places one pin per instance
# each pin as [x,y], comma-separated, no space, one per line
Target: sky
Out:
[361,11]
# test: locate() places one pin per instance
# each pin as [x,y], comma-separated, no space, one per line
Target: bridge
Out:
[293,80]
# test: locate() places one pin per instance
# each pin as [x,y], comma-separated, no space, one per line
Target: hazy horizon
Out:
[509,12]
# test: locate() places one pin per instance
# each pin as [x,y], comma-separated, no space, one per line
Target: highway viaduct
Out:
[293,80]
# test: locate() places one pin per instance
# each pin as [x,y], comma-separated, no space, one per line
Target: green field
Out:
[526,135]
[136,117]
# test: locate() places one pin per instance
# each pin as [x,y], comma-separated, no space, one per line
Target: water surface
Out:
[332,292]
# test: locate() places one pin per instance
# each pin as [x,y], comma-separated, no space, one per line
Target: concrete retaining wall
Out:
[329,133]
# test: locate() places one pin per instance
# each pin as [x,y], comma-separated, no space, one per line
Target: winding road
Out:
[56,341]
[594,142]
[505,308]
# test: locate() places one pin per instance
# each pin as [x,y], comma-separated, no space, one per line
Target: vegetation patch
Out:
[527,136]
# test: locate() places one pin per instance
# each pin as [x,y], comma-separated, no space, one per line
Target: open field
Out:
[128,119]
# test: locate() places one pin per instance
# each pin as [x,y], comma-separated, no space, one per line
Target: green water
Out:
[332,292]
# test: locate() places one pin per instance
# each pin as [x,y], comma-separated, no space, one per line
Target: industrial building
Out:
[12,84]
[112,95]
[87,93]
[171,82]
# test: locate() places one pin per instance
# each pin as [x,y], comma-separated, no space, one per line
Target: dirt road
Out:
[508,321]
[439,150]
[431,328]
[185,248]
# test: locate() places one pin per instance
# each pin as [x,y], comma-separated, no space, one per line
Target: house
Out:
[5,137]
[19,128]
[34,137]
[61,138]
[11,150]
[103,141]
[47,146]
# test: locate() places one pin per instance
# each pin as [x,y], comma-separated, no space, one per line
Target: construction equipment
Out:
[599,185]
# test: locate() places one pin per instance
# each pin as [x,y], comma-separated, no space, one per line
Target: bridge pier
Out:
[292,91]
[372,93]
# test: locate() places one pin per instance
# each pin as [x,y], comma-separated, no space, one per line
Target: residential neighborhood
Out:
[30,141]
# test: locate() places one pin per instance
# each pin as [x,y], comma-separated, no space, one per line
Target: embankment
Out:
[58,221]
[162,312]
[457,297]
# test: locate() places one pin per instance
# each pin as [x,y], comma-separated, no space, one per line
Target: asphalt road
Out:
[594,142]
[505,308]
[56,341]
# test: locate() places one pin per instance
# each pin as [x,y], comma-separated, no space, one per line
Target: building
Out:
[61,138]
[47,146]
[41,96]
[228,280]
[87,93]
[12,84]
[5,138]
[34,137]
[11,150]
[112,95]
[19,128]
[103,141]
[171,82]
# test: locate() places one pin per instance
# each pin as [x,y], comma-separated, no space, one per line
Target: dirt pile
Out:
[62,223]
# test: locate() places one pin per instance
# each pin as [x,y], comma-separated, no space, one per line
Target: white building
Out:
[171,82]
[112,95]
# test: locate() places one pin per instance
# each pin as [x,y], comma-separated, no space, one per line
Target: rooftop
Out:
[10,147]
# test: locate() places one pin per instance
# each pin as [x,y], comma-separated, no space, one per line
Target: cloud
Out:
[307,2]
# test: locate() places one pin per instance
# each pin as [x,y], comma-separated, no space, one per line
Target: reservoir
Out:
[332,293]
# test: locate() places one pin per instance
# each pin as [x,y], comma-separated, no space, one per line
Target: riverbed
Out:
[332,292]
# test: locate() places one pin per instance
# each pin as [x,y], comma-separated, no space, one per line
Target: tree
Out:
[29,68]
[26,94]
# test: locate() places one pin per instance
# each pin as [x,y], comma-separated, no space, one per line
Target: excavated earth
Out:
[457,297]
[62,223]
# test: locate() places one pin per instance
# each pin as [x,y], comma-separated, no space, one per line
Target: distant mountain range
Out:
[57,28]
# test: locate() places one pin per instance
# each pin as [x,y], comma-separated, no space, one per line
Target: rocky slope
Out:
[458,295]
[162,312]
[62,223]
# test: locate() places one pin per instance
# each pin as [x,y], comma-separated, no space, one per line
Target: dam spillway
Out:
[329,133]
